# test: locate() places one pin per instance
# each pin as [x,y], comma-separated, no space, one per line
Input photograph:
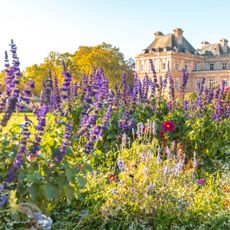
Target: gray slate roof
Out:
[170,42]
[212,50]
[176,41]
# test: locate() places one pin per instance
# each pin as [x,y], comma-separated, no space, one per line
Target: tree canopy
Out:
[106,56]
[83,61]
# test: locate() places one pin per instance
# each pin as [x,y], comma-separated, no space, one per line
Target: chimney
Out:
[158,34]
[178,33]
[203,44]
[224,44]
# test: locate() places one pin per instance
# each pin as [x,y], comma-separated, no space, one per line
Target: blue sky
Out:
[41,26]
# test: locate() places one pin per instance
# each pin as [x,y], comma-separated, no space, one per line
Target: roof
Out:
[213,50]
[171,42]
[177,42]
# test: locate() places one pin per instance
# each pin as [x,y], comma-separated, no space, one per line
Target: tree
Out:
[53,62]
[82,62]
[106,56]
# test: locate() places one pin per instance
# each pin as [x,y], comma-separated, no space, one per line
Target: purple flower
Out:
[41,117]
[65,142]
[201,181]
[217,93]
[171,88]
[25,134]
[185,105]
[199,103]
[107,116]
[184,80]
[154,74]
[3,200]
[218,112]
[170,105]
[124,85]
[65,88]
[125,123]
[153,88]
[223,83]
[120,164]
[55,99]
[202,86]
[30,84]
[88,147]
[210,95]
[135,90]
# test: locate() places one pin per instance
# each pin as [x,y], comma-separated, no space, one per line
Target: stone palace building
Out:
[173,51]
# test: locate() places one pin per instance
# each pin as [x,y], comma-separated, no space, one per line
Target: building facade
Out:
[173,52]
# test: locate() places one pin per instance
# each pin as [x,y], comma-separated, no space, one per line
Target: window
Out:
[142,66]
[163,65]
[226,82]
[224,65]
[177,66]
[186,65]
[196,66]
[211,67]
[154,64]
[146,66]
[177,83]
[198,84]
[211,83]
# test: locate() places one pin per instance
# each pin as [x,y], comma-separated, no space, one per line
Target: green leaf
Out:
[81,181]
[34,177]
[69,193]
[49,191]
[34,191]
[97,151]
[62,180]
[69,174]
[87,168]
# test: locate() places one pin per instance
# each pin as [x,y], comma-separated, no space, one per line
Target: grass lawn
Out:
[17,119]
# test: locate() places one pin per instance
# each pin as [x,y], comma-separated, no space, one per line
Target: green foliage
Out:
[147,196]
[78,191]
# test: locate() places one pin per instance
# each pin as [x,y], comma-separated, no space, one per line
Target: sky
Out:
[41,26]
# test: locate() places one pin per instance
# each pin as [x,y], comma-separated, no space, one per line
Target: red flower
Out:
[82,167]
[168,126]
[112,177]
[162,133]
[31,157]
[225,189]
